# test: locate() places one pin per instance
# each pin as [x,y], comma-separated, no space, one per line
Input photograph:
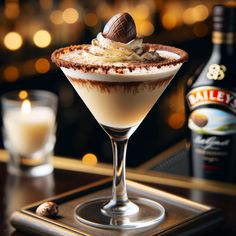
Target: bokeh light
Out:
[70,15]
[230,3]
[11,73]
[176,120]
[42,65]
[56,17]
[169,21]
[13,41]
[141,11]
[89,159]
[104,11]
[42,38]
[12,10]
[23,94]
[195,14]
[146,28]
[188,16]
[91,19]
[200,12]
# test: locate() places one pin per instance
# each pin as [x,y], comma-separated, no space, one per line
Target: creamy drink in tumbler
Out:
[119,78]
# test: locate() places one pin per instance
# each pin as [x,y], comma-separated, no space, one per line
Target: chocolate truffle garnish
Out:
[48,209]
[120,28]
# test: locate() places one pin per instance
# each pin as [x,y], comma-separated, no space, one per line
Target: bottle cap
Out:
[224,18]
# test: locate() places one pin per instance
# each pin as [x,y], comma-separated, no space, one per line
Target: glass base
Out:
[36,171]
[31,165]
[149,213]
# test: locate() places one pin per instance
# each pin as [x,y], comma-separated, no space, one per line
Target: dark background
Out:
[184,24]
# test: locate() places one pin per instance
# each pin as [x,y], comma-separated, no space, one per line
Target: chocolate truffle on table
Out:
[120,28]
[48,209]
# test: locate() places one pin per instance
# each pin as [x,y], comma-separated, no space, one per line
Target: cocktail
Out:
[119,78]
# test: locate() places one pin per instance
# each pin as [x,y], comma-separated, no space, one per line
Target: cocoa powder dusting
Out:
[131,66]
[127,87]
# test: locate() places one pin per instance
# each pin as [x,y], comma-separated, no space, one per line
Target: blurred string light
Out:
[200,12]
[70,15]
[146,28]
[172,15]
[42,38]
[42,65]
[169,21]
[12,10]
[176,120]
[142,18]
[230,3]
[91,19]
[11,73]
[195,14]
[176,15]
[89,159]
[27,68]
[141,12]
[13,41]
[104,11]
[56,17]
[188,17]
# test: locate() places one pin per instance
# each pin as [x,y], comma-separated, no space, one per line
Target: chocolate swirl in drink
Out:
[118,72]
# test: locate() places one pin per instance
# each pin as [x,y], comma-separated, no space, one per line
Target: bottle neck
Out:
[224,42]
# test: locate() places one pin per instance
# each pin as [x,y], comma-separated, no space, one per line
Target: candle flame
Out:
[26,107]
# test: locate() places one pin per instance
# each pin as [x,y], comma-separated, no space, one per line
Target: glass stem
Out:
[119,192]
[119,204]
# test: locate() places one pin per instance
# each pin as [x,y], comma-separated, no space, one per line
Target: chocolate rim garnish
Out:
[131,66]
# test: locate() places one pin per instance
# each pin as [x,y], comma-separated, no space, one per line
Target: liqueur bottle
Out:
[211,104]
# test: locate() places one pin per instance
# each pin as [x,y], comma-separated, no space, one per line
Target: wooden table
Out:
[16,192]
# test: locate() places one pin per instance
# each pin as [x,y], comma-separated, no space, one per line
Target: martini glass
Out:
[119,102]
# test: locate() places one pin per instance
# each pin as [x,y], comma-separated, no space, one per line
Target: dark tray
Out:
[183,217]
[173,160]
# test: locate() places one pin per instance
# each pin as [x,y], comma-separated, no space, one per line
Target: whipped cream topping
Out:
[107,50]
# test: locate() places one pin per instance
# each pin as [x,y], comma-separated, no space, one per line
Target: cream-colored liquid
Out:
[118,107]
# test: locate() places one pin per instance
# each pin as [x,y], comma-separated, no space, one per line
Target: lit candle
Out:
[28,128]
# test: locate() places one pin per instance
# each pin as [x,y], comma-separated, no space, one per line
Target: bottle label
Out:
[213,140]
[211,95]
[212,156]
[212,121]
[216,72]
[211,148]
[213,131]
